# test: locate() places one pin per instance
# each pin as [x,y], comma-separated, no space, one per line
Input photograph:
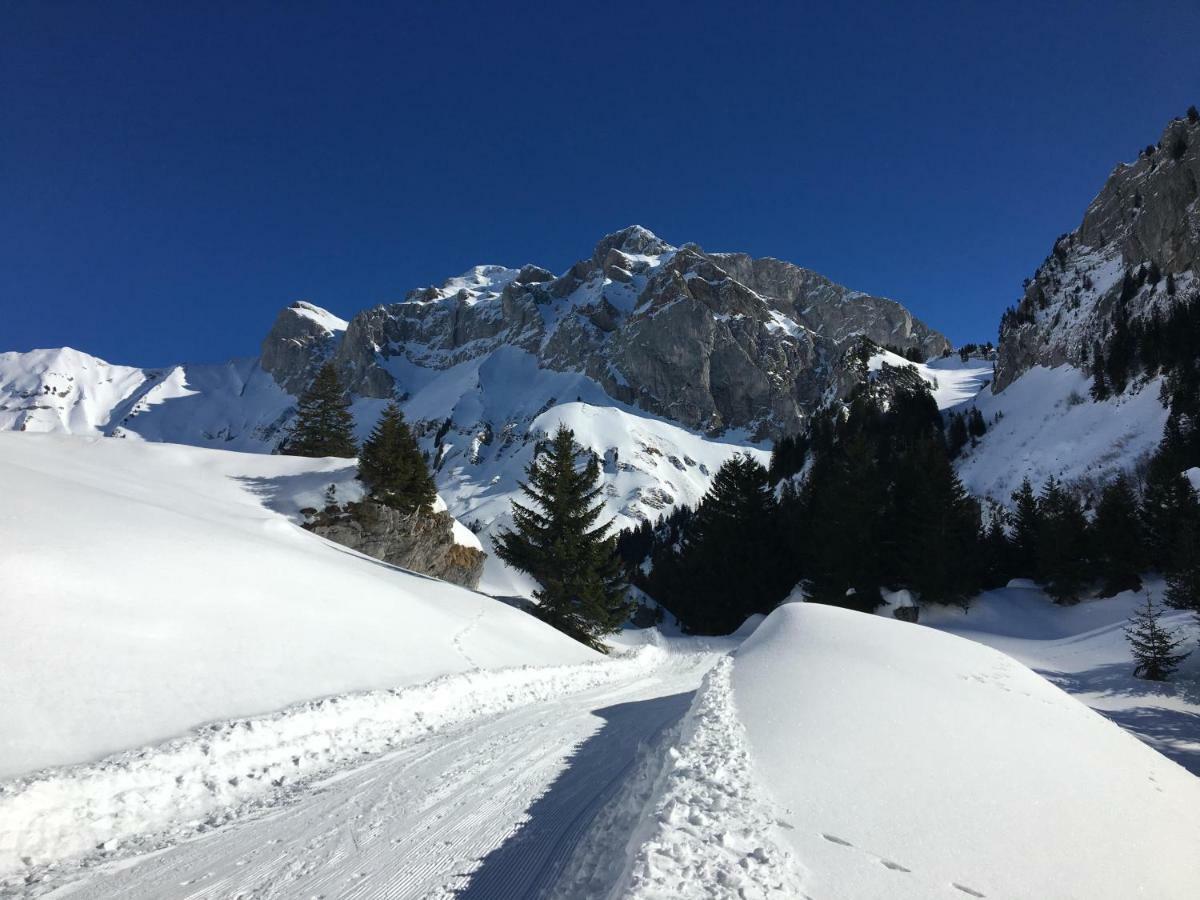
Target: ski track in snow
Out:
[490,807]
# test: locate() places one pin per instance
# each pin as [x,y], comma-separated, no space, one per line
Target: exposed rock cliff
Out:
[1145,221]
[711,341]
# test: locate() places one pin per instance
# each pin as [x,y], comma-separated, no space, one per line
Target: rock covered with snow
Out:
[1147,213]
[303,337]
[711,341]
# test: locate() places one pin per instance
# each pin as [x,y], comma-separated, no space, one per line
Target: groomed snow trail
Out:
[492,807]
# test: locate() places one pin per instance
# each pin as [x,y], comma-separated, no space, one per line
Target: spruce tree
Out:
[558,539]
[1027,524]
[1154,646]
[936,528]
[1062,543]
[731,563]
[324,426]
[1183,578]
[1117,544]
[392,467]
[1168,504]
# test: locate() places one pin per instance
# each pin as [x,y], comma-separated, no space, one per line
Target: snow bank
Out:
[163,793]
[691,821]
[150,588]
[914,764]
[1083,650]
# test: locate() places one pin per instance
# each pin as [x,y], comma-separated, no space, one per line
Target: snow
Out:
[1045,423]
[322,317]
[169,588]
[708,829]
[480,785]
[911,763]
[1083,650]
[951,381]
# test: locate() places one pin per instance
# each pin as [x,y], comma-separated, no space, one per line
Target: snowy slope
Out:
[1083,650]
[150,588]
[1045,423]
[233,405]
[951,381]
[912,764]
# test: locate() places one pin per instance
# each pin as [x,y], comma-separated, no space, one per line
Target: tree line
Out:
[867,500]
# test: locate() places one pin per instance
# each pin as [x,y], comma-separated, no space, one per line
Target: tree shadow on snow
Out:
[1175,733]
[529,862]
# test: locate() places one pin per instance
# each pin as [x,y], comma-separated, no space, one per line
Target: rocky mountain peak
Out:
[303,337]
[1147,216]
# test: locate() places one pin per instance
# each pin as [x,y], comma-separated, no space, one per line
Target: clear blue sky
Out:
[169,180]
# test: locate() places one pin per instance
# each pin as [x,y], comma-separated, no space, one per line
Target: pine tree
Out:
[1183,578]
[1153,645]
[997,552]
[956,436]
[975,424]
[1168,504]
[936,527]
[558,541]
[324,426]
[392,467]
[731,559]
[1062,543]
[1117,539]
[1027,526]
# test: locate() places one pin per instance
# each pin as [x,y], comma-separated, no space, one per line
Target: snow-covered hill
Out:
[149,588]
[910,763]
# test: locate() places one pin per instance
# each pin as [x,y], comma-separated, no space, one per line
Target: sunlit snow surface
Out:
[908,763]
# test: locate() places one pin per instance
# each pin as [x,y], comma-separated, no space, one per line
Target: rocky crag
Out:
[712,341]
[1145,222]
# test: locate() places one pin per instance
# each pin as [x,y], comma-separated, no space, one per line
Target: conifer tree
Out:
[1062,543]
[975,425]
[1183,578]
[324,426]
[1168,504]
[1117,539]
[936,528]
[559,540]
[392,467]
[1027,526]
[1154,646]
[997,552]
[730,565]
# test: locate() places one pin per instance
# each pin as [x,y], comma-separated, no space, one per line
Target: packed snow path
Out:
[492,808]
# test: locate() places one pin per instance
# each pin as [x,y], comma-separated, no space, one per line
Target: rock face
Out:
[1145,218]
[421,542]
[303,337]
[711,341]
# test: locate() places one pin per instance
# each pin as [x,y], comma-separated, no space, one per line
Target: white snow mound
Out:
[151,588]
[914,764]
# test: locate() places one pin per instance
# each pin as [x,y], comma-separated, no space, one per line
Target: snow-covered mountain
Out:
[1146,216]
[1134,257]
[664,360]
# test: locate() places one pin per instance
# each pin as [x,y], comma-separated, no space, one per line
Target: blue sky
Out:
[170,179]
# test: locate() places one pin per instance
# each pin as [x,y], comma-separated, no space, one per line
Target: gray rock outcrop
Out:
[710,341]
[421,542]
[1146,215]
[303,337]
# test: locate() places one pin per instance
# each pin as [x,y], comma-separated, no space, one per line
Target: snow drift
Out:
[912,763]
[150,588]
